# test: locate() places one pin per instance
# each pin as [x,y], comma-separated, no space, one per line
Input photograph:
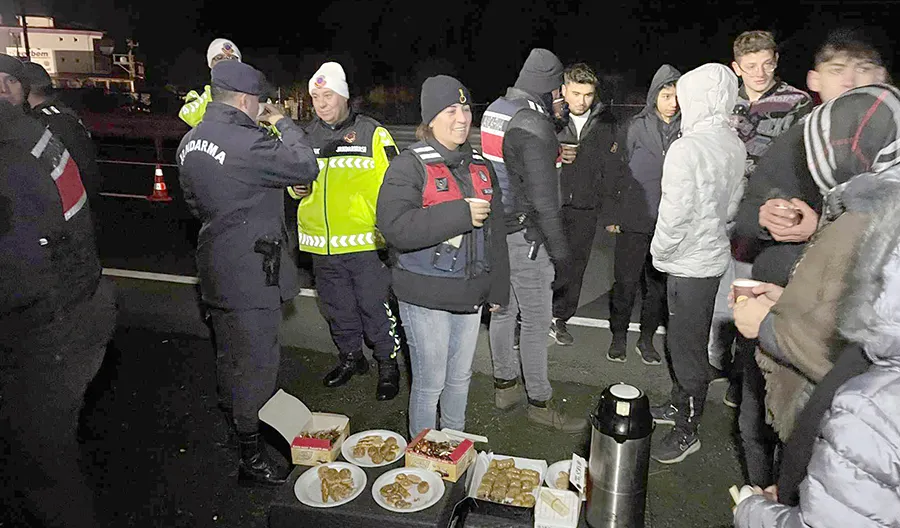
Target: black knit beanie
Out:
[542,72]
[13,66]
[439,92]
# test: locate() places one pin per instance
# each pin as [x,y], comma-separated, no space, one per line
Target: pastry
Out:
[562,480]
[507,484]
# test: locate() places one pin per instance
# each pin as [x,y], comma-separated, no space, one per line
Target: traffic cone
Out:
[160,193]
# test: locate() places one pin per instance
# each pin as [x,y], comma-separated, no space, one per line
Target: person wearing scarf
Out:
[855,134]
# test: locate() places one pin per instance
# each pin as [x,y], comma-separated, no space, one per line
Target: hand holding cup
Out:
[270,113]
[479,209]
[569,151]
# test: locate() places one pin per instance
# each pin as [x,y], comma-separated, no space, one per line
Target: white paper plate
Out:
[308,487]
[554,470]
[350,443]
[420,501]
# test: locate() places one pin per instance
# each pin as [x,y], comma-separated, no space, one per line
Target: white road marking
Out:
[309,292]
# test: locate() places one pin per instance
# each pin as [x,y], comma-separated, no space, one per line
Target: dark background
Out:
[399,43]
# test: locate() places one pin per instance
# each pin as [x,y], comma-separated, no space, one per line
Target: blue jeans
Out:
[530,295]
[441,350]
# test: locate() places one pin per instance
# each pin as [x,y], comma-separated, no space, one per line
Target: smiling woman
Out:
[434,210]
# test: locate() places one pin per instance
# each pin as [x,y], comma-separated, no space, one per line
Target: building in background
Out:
[74,58]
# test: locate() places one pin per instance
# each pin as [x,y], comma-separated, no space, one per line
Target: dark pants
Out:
[580,226]
[43,378]
[757,437]
[634,267]
[247,357]
[354,290]
[691,304]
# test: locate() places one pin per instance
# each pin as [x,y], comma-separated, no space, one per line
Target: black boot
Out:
[255,467]
[228,440]
[388,380]
[345,370]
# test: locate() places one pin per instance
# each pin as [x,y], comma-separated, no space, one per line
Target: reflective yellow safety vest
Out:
[338,217]
[195,108]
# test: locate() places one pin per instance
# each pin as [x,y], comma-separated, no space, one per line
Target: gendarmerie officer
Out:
[65,125]
[233,175]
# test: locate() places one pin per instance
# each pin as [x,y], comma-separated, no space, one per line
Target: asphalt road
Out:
[150,424]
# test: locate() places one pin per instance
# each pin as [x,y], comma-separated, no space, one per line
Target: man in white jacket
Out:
[702,184]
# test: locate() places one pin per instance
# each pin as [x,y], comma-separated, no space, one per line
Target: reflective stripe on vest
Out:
[441,186]
[494,123]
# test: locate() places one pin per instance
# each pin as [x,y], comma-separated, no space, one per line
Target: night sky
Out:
[482,43]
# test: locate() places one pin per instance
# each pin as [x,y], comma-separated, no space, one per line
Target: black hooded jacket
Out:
[598,160]
[633,202]
[530,149]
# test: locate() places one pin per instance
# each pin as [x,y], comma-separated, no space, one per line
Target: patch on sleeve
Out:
[390,151]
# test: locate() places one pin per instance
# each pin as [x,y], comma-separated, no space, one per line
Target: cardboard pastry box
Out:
[290,417]
[451,468]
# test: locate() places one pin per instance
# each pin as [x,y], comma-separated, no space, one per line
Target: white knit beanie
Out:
[221,46]
[330,75]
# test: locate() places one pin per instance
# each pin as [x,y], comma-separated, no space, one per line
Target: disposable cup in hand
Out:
[743,289]
[478,200]
[797,213]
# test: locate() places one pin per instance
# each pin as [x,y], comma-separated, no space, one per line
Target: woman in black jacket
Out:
[434,210]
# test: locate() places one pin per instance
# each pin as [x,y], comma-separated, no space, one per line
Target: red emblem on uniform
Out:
[350,137]
[227,49]
[320,81]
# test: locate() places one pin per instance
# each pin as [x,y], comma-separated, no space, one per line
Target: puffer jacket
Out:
[632,203]
[703,178]
[854,473]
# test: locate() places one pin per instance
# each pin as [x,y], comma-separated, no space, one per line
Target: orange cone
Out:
[160,193]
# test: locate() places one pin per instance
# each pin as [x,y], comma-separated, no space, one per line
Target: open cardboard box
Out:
[547,517]
[482,461]
[290,417]
[450,470]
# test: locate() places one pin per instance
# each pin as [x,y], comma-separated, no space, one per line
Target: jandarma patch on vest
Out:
[350,137]
[441,184]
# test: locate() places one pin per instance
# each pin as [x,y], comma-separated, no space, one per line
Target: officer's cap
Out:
[237,76]
[36,74]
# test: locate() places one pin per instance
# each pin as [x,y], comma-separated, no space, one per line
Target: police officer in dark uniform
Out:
[65,125]
[233,175]
[57,314]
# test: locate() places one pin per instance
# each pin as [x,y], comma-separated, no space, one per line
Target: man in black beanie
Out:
[518,135]
[14,85]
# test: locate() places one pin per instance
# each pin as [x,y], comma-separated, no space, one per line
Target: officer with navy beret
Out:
[233,175]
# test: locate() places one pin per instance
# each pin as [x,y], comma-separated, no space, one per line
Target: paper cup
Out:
[797,214]
[743,289]
[478,200]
